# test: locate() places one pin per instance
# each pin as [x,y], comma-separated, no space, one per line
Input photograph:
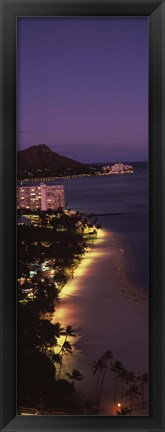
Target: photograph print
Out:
[82,216]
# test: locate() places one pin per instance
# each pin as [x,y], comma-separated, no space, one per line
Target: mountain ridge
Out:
[42,157]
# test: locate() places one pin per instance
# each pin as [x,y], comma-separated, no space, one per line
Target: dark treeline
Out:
[42,345]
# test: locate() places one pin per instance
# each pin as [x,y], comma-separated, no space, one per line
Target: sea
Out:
[121,204]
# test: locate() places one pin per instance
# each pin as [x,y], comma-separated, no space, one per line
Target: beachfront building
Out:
[42,196]
[117,168]
[120,168]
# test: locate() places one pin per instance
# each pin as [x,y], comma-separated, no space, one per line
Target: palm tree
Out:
[75,376]
[100,367]
[133,393]
[70,332]
[130,378]
[143,380]
[116,368]
[66,347]
[103,371]
[55,358]
[108,356]
[97,368]
[123,373]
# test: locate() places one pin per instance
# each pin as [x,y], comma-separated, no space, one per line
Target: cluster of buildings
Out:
[117,168]
[41,197]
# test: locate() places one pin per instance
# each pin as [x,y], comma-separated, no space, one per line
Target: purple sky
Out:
[82,87]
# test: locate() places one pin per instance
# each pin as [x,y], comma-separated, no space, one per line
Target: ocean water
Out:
[121,203]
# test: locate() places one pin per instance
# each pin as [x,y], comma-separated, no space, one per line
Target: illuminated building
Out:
[117,168]
[120,168]
[43,197]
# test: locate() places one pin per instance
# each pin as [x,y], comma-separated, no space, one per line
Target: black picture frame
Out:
[155,10]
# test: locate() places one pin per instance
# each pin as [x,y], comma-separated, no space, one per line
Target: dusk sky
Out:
[82,87]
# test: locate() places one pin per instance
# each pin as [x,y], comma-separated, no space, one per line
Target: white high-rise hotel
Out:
[43,197]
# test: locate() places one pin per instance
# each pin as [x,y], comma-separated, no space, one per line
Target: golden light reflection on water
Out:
[92,253]
[65,311]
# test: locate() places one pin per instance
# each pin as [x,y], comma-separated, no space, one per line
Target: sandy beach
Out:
[107,313]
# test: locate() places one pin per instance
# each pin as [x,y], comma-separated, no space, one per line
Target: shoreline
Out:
[108,313]
[49,178]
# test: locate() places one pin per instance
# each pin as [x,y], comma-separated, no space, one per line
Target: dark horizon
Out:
[118,161]
[92,162]
[124,160]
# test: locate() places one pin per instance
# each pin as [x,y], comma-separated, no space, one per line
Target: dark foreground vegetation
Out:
[50,246]
[127,389]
